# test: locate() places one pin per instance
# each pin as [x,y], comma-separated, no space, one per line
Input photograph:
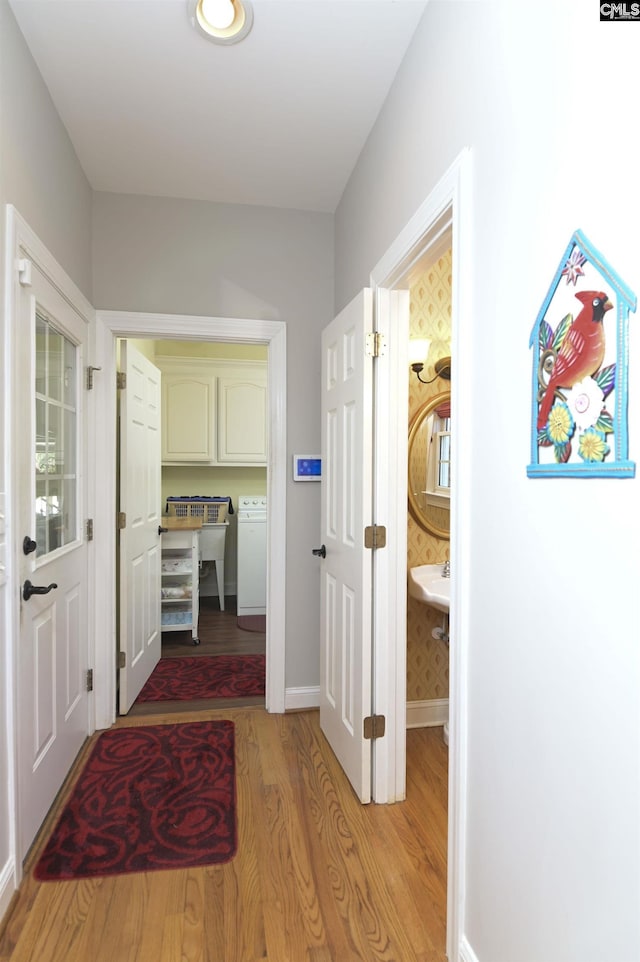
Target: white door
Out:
[345,618]
[53,702]
[140,541]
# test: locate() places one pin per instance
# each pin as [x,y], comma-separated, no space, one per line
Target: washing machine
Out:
[252,555]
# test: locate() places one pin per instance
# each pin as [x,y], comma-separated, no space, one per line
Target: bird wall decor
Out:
[582,349]
[580,370]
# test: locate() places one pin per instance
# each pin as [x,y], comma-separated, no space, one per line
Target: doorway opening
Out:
[213,464]
[447,208]
[112,326]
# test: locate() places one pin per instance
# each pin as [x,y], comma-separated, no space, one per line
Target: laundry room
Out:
[214,470]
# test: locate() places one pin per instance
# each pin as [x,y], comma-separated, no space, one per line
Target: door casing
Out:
[111,325]
[447,206]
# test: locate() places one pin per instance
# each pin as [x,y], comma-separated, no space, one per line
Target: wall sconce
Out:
[221,21]
[418,351]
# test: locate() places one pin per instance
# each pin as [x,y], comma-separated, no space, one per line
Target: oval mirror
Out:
[430,465]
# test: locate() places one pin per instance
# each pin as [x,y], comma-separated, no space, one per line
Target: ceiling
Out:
[279,119]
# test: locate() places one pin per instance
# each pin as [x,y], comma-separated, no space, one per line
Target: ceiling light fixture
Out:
[221,21]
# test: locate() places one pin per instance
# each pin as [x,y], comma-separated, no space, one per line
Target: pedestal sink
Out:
[427,584]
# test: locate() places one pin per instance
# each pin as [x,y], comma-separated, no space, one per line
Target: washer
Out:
[252,555]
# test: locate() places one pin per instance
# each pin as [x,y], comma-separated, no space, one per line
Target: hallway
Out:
[317,877]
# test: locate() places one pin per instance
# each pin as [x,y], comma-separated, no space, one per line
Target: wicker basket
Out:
[211,512]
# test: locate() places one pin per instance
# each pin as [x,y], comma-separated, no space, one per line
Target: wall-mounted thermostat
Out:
[307,467]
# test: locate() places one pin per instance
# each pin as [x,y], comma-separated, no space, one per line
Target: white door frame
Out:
[448,205]
[22,243]
[116,324]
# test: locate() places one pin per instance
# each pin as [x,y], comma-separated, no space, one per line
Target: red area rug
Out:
[205,676]
[148,798]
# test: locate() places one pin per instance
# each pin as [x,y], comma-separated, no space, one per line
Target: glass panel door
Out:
[56,401]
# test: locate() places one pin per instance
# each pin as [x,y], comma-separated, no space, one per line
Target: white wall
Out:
[545,97]
[185,257]
[40,175]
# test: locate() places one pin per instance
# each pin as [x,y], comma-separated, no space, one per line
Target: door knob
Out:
[28,589]
[28,545]
[319,552]
[161,530]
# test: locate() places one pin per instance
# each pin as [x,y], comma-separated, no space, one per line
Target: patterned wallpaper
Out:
[430,316]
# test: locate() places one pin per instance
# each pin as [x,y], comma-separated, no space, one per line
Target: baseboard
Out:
[466,952]
[427,714]
[297,698]
[7,888]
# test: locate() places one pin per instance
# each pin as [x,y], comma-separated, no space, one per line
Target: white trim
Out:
[21,242]
[7,886]
[466,952]
[449,203]
[430,713]
[297,699]
[114,324]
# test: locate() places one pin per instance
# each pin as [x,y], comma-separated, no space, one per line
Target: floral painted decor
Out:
[580,370]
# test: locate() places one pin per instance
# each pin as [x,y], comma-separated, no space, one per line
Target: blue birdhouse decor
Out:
[581,370]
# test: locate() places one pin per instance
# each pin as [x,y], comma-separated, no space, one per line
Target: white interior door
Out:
[140,635]
[345,626]
[53,702]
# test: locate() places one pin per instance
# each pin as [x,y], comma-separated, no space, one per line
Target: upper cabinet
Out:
[241,420]
[188,418]
[214,411]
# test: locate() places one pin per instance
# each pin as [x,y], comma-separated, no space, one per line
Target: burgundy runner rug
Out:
[148,798]
[205,676]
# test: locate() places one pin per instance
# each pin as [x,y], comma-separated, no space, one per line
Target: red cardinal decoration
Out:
[581,352]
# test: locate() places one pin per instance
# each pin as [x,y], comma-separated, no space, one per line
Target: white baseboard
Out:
[466,952]
[427,714]
[297,698]
[7,887]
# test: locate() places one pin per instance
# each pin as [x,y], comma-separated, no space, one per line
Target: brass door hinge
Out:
[376,345]
[374,726]
[122,659]
[121,380]
[375,536]
[121,521]
[89,679]
[89,529]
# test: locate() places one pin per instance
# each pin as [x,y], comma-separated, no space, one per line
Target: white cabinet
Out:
[188,410]
[242,422]
[179,588]
[213,412]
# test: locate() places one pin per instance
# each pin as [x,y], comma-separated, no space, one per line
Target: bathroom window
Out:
[438,481]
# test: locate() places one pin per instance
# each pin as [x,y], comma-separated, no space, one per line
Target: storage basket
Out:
[211,512]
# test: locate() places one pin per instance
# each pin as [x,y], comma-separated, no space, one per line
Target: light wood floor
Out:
[317,877]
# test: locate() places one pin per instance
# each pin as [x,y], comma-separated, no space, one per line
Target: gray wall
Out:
[186,257]
[40,175]
[545,98]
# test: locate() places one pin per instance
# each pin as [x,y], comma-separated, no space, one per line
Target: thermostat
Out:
[307,467]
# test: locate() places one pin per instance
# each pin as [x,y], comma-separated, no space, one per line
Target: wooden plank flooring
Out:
[317,877]
[219,635]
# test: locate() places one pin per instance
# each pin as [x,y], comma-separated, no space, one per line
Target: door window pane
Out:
[56,439]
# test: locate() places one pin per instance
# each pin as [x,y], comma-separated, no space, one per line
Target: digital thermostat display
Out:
[307,467]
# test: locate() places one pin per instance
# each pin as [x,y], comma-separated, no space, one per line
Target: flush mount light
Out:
[221,21]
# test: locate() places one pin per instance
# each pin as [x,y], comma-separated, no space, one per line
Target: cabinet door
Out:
[187,418]
[242,421]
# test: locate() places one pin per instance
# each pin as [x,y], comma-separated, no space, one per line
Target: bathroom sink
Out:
[427,585]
